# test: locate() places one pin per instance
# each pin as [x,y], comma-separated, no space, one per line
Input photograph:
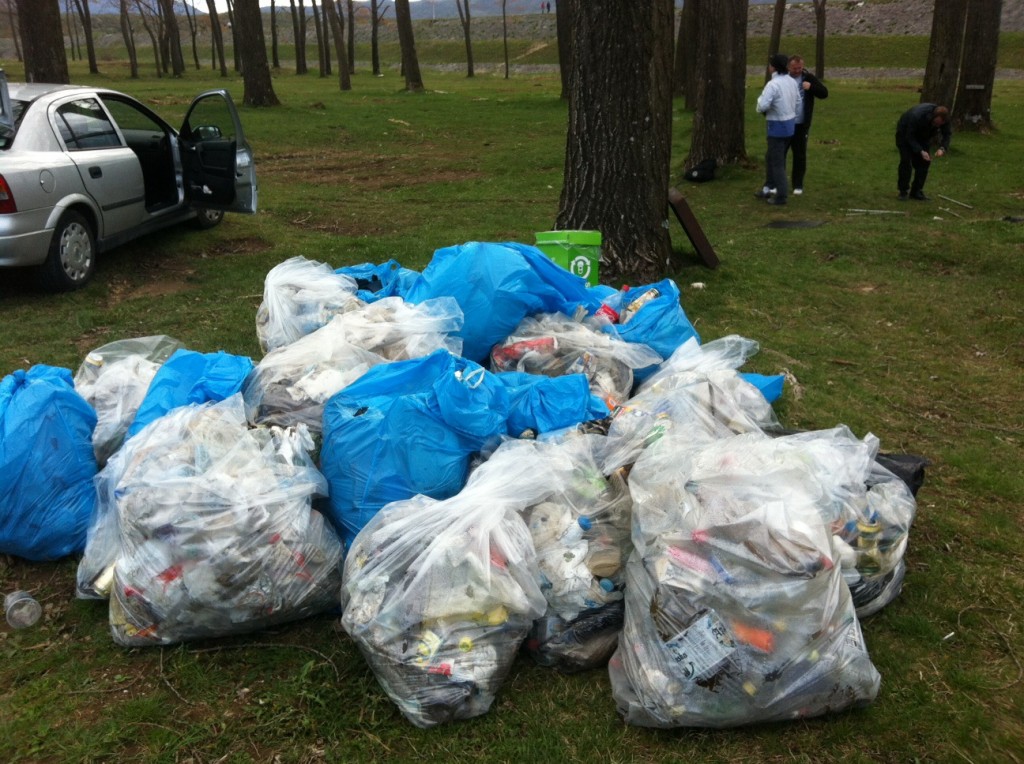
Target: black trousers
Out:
[910,162]
[775,166]
[798,145]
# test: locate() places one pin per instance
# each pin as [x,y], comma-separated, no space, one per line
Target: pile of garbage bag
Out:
[516,462]
[205,527]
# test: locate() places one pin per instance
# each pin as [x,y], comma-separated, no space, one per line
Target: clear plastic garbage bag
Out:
[114,379]
[300,296]
[439,595]
[736,607]
[205,529]
[553,344]
[292,383]
[581,534]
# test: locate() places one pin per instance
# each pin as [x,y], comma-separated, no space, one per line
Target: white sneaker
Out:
[797,191]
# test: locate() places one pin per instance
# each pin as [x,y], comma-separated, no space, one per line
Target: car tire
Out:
[206,219]
[71,260]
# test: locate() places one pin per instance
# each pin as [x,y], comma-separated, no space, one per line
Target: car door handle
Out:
[95,172]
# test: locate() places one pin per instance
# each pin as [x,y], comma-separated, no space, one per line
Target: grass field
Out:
[903,321]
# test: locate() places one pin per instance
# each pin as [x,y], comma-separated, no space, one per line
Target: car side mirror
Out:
[206,133]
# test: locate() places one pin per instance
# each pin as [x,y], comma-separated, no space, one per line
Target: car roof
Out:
[29,91]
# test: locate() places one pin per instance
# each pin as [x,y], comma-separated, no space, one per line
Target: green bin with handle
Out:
[578,252]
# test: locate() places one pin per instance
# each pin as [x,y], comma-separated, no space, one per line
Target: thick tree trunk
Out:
[819,38]
[42,41]
[618,143]
[945,50]
[128,35]
[688,25]
[258,87]
[410,62]
[973,109]
[718,130]
[336,19]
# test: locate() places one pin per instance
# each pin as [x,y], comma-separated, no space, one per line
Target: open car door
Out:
[6,111]
[216,160]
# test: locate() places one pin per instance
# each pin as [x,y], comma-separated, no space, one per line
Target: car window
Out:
[84,125]
[129,116]
[210,119]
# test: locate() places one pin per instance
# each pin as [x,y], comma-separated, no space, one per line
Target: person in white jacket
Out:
[778,103]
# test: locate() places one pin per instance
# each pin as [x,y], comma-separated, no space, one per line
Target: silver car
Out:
[83,170]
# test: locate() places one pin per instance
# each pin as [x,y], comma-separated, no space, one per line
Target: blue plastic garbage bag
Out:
[660,323]
[407,428]
[544,404]
[770,386]
[47,464]
[190,377]
[497,286]
[389,279]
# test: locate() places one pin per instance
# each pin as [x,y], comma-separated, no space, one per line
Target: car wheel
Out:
[72,257]
[208,218]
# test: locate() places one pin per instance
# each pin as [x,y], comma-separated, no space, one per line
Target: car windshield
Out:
[18,108]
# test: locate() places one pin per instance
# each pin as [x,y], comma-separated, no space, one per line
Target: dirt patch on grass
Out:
[363,173]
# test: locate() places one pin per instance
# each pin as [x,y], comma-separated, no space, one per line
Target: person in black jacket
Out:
[915,131]
[811,89]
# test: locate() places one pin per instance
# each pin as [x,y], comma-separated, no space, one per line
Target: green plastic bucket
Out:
[578,252]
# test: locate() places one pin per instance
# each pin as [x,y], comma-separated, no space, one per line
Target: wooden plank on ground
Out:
[693,230]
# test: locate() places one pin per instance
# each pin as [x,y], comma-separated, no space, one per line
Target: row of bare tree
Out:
[621,65]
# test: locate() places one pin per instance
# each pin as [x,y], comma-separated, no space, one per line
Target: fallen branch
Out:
[878,212]
[951,212]
[956,202]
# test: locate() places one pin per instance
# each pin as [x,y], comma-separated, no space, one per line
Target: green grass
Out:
[906,325]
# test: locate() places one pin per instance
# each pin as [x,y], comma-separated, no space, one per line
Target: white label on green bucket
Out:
[580,265]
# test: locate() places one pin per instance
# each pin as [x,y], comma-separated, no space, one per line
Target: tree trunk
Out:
[69,20]
[374,46]
[143,15]
[190,16]
[172,37]
[463,7]
[819,38]
[688,22]
[945,51]
[336,20]
[128,35]
[776,36]
[351,36]
[235,47]
[275,59]
[504,34]
[217,37]
[323,46]
[718,130]
[973,109]
[12,20]
[563,30]
[258,87]
[410,62]
[301,42]
[90,48]
[42,41]
[618,143]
